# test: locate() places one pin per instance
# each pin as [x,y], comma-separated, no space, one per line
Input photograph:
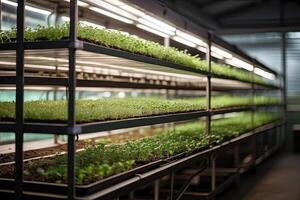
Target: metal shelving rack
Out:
[71,129]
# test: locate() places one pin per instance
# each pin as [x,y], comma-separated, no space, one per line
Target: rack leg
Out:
[19,165]
[71,167]
[19,108]
[236,152]
[172,185]
[156,190]
[131,195]
[213,172]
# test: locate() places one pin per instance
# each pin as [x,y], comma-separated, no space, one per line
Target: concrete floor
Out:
[277,179]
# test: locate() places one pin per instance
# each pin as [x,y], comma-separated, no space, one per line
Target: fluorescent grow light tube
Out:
[190,38]
[184,41]
[221,52]
[67,19]
[126,7]
[202,49]
[30,8]
[118,31]
[264,74]
[112,15]
[146,28]
[115,9]
[80,3]
[216,55]
[159,23]
[240,63]
[156,26]
[92,24]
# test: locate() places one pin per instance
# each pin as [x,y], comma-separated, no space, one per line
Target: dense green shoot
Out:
[132,44]
[116,108]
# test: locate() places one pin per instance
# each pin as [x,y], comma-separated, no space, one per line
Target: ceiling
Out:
[236,16]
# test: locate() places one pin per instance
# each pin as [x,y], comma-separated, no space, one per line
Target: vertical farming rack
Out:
[120,184]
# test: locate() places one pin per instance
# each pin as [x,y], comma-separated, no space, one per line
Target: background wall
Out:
[266,47]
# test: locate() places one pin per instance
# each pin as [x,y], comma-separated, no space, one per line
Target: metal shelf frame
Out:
[71,128]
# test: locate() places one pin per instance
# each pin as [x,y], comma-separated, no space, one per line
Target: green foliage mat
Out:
[132,44]
[116,108]
[99,161]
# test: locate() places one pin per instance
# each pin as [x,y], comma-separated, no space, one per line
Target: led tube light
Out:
[190,38]
[146,28]
[159,23]
[155,26]
[221,52]
[115,9]
[240,63]
[133,10]
[112,15]
[30,8]
[118,31]
[184,41]
[264,74]
[216,55]
[92,24]
[126,7]
[80,3]
[67,19]
[202,49]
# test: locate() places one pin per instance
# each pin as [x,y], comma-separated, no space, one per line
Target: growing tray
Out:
[54,191]
[84,190]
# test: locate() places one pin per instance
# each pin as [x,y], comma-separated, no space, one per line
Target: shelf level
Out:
[122,187]
[217,84]
[99,57]
[63,129]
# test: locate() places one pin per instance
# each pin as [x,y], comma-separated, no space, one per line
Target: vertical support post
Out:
[71,98]
[19,99]
[131,195]
[236,155]
[213,172]
[208,107]
[208,84]
[156,189]
[172,185]
[284,87]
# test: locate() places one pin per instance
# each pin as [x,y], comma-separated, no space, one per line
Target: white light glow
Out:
[133,10]
[146,28]
[92,24]
[126,7]
[159,23]
[118,31]
[216,55]
[190,38]
[67,19]
[80,3]
[121,95]
[202,49]
[30,8]
[184,41]
[221,52]
[240,63]
[156,26]
[264,74]
[115,9]
[112,15]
